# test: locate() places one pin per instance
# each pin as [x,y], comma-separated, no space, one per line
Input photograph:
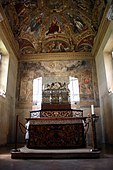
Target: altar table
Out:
[56,133]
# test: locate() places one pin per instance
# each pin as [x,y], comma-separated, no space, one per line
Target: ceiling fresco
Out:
[49,26]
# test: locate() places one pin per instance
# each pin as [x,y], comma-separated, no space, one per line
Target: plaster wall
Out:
[7,107]
[105,80]
[7,103]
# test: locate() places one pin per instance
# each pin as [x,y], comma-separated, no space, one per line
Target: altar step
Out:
[25,153]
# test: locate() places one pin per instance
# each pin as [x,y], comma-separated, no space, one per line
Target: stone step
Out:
[25,153]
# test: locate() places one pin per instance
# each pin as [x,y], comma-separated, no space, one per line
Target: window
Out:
[37,91]
[4,62]
[74,90]
[112,54]
[0,58]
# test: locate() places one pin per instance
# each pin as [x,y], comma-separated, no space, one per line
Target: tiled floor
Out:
[103,163]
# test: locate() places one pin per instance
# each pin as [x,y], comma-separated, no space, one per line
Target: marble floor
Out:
[105,162]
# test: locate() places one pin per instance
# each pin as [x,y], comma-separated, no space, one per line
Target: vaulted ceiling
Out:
[48,26]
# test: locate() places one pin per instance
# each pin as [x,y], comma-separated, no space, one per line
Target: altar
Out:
[56,124]
[56,128]
[56,133]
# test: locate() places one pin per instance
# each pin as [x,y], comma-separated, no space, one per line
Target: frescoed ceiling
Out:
[49,26]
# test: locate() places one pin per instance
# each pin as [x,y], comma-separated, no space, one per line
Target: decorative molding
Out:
[56,56]
[101,33]
[54,120]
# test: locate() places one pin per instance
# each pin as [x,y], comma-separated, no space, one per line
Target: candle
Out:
[92,109]
[43,87]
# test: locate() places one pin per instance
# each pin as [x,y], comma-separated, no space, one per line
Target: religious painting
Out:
[81,69]
[54,27]
[54,21]
[57,46]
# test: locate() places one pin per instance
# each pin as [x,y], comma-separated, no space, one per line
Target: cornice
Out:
[101,32]
[56,56]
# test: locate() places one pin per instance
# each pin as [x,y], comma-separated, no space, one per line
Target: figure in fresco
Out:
[86,86]
[54,27]
[57,46]
[51,47]
[77,23]
[60,47]
[36,22]
[57,86]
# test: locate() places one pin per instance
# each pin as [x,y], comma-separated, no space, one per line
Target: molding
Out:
[101,32]
[56,56]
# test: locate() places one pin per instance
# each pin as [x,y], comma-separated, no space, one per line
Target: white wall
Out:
[105,81]
[7,104]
